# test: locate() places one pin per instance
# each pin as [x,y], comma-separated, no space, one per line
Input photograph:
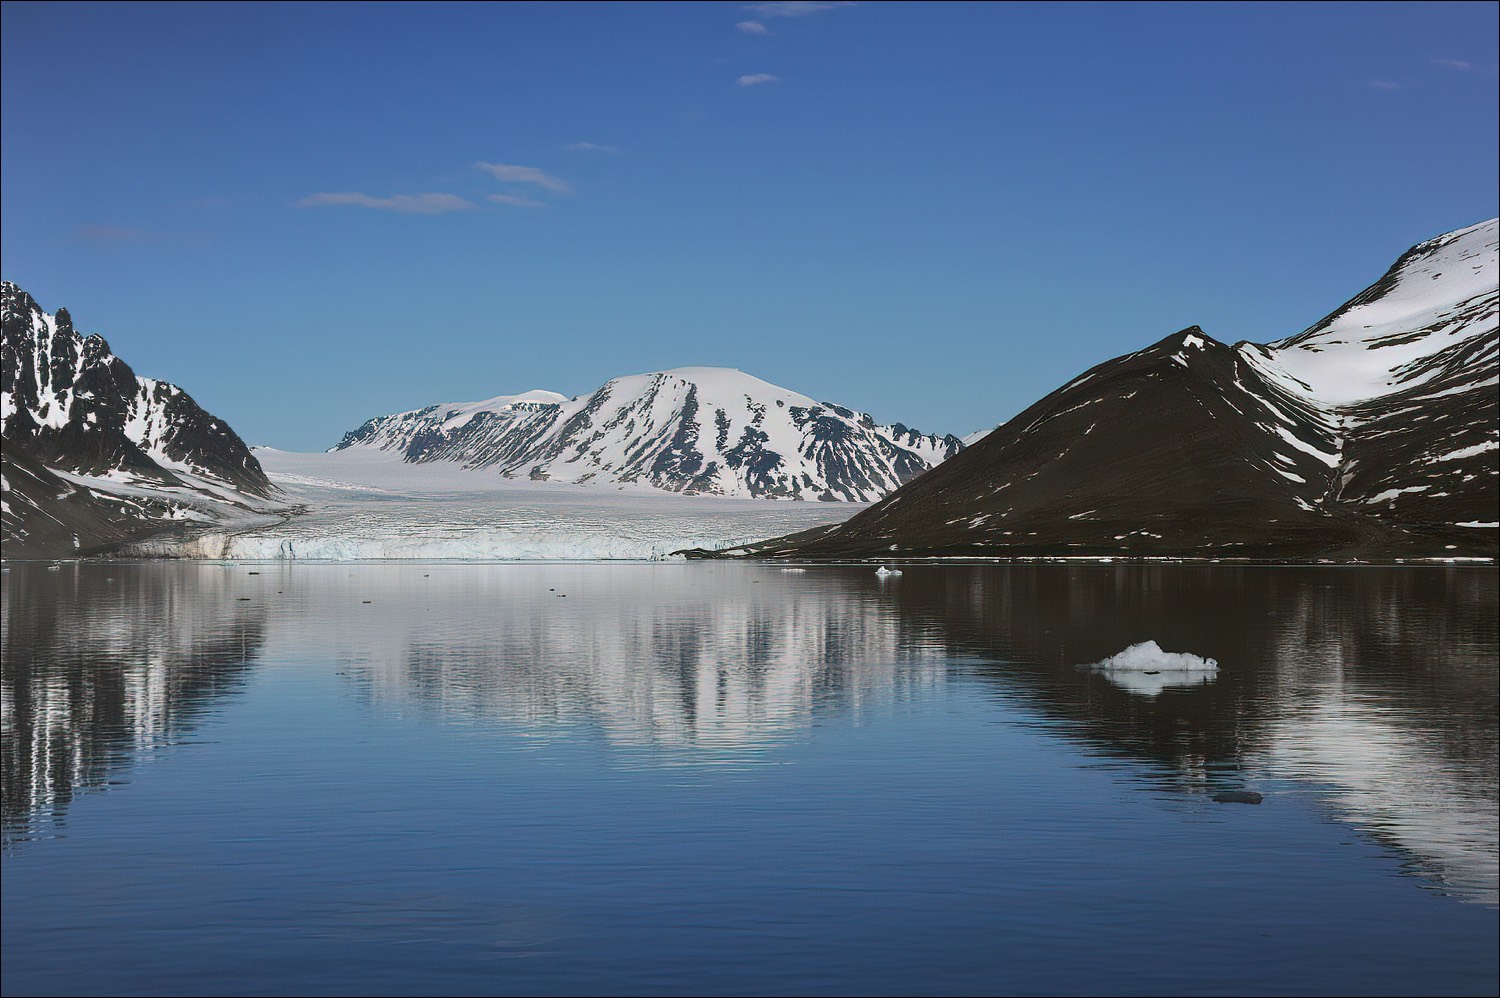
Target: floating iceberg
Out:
[1146,670]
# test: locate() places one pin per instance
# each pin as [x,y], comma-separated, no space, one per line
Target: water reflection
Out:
[699,657]
[103,666]
[1376,686]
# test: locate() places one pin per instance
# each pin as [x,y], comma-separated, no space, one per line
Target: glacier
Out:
[365,504]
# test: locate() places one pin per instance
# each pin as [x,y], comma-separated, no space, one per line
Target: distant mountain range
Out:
[695,430]
[94,454]
[1371,434]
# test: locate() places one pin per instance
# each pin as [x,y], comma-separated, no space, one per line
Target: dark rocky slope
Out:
[1370,435]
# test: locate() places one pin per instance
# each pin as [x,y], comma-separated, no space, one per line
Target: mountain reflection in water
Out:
[103,664]
[1377,686]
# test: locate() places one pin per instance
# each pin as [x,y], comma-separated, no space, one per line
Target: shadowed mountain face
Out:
[695,430]
[71,407]
[1372,434]
[44,513]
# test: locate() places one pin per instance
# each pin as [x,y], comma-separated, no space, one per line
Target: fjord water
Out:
[717,778]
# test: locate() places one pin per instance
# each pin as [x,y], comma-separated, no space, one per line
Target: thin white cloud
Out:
[1458,64]
[515,200]
[755,79]
[407,204]
[795,8]
[594,147]
[110,234]
[511,174]
[753,28]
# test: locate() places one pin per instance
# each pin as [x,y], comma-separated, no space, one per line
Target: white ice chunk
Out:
[1146,670]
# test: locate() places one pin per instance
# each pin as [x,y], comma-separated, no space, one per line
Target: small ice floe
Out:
[1146,670]
[886,572]
[794,569]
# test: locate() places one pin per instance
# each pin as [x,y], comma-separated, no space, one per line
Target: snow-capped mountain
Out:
[131,452]
[1407,371]
[1372,433]
[694,430]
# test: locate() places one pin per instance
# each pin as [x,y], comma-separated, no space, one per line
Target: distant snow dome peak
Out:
[693,430]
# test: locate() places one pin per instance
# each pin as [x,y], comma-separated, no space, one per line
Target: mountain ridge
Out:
[694,430]
[96,454]
[1372,433]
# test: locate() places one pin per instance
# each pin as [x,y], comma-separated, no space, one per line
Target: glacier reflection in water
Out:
[728,777]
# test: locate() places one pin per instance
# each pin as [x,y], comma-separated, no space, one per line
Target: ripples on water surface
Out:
[729,779]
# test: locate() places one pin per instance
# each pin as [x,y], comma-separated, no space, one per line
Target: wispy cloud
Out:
[1385,85]
[755,79]
[1458,64]
[406,204]
[515,200]
[594,147]
[110,234]
[753,28]
[512,174]
[795,8]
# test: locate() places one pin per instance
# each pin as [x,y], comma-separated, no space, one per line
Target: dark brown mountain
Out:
[1370,435]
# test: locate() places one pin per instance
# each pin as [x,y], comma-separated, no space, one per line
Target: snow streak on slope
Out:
[367,504]
[694,430]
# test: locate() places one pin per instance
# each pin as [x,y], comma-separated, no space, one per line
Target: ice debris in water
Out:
[1147,670]
[1149,657]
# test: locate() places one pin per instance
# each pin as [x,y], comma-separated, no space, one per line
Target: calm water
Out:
[730,779]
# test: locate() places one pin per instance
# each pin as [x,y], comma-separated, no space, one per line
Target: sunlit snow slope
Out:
[694,430]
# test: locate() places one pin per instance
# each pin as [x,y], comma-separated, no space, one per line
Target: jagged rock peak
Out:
[70,403]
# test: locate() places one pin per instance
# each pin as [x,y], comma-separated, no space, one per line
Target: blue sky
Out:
[308,215]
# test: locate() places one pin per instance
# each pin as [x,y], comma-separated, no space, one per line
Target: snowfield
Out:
[366,504]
